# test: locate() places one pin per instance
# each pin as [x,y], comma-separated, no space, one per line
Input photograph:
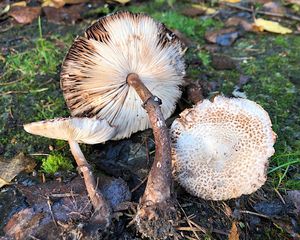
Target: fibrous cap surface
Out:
[220,149]
[94,72]
[82,130]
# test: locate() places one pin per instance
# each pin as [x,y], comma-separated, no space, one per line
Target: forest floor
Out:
[259,65]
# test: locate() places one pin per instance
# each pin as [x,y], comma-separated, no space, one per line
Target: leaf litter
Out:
[272,18]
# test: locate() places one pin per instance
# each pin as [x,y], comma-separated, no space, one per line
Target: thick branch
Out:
[158,187]
[99,203]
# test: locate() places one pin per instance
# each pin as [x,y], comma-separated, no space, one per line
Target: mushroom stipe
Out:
[112,73]
[156,202]
[86,130]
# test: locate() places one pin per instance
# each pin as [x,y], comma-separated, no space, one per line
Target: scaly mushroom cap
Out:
[220,149]
[82,130]
[94,72]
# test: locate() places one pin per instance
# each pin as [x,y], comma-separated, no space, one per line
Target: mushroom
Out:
[123,62]
[80,130]
[220,149]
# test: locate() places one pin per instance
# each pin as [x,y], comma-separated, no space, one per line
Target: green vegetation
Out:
[30,92]
[54,163]
[30,82]
[273,71]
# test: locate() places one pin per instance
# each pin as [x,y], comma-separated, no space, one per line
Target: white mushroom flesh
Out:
[220,149]
[82,130]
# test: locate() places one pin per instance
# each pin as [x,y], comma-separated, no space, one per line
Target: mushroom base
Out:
[156,211]
[157,221]
[101,217]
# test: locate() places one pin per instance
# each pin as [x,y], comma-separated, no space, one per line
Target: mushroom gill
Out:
[94,72]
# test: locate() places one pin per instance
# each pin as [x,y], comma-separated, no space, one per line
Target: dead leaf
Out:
[274,7]
[270,26]
[223,37]
[238,21]
[192,12]
[234,234]
[294,1]
[19,4]
[231,1]
[294,196]
[194,93]
[222,62]
[10,169]
[63,15]
[60,3]
[123,2]
[25,15]
[187,42]
[207,10]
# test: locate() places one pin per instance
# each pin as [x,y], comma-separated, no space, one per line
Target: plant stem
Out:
[158,187]
[99,203]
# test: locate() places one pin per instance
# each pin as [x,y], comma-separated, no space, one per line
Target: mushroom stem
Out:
[158,189]
[101,207]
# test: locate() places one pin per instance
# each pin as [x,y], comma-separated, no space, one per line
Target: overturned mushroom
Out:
[126,60]
[220,149]
[80,130]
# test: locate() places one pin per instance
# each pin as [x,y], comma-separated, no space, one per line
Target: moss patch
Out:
[54,163]
[30,92]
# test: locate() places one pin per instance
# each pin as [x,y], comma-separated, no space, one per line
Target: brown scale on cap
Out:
[220,149]
[94,72]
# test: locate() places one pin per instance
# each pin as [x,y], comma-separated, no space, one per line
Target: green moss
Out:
[194,28]
[191,27]
[100,11]
[204,57]
[54,163]
[271,87]
[30,92]
[281,41]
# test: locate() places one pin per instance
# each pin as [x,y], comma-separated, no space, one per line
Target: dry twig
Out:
[282,15]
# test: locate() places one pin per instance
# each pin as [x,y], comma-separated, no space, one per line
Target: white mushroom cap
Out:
[82,130]
[220,149]
[94,72]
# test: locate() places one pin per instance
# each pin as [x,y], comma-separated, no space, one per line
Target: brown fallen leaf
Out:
[187,42]
[270,26]
[10,169]
[194,93]
[234,234]
[207,10]
[63,15]
[192,12]
[24,15]
[238,21]
[66,203]
[60,3]
[223,37]
[222,62]
[274,7]
[293,1]
[294,197]
[231,1]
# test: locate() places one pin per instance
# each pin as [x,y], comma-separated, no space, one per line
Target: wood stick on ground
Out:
[282,15]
